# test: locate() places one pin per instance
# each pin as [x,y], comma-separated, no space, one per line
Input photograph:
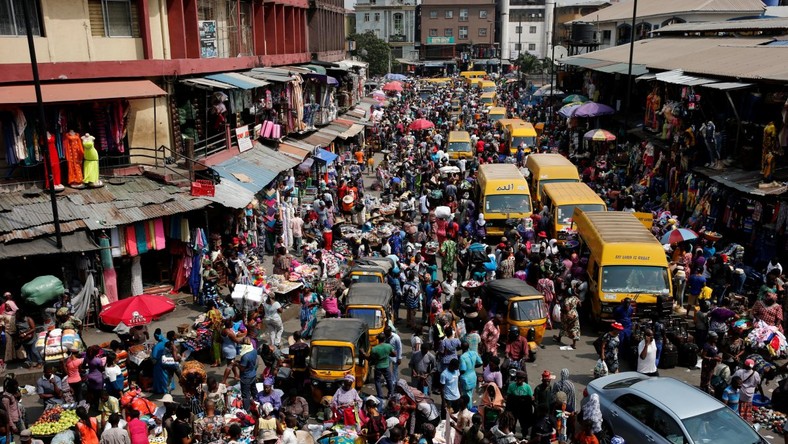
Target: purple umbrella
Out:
[593,109]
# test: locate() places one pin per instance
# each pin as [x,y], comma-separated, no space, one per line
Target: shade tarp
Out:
[238,80]
[77,242]
[325,155]
[80,92]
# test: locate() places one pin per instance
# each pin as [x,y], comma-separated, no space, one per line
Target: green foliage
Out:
[528,63]
[374,51]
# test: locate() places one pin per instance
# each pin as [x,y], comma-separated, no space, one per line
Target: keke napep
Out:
[371,303]
[520,305]
[340,347]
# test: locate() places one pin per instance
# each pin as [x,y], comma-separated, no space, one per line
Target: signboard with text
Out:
[440,40]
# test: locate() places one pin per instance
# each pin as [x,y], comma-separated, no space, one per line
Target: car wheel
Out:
[606,434]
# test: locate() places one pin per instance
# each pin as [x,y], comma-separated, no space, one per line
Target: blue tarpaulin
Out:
[325,156]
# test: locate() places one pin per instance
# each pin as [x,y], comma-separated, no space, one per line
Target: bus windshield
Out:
[527,141]
[507,203]
[371,316]
[331,358]
[635,279]
[564,213]
[527,310]
[464,147]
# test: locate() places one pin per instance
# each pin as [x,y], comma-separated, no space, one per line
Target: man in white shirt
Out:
[289,435]
[647,355]
[448,287]
[297,228]
[424,207]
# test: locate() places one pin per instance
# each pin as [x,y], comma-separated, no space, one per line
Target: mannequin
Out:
[74,155]
[55,162]
[708,131]
[770,151]
[90,165]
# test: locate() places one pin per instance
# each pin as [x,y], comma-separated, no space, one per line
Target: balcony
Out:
[398,38]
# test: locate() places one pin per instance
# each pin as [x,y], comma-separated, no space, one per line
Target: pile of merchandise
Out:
[53,421]
[769,419]
[764,336]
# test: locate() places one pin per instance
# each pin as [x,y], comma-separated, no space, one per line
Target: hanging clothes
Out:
[54,161]
[90,161]
[136,276]
[20,144]
[74,156]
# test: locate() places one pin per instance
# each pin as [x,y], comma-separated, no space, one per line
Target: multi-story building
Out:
[391,20]
[458,29]
[613,24]
[526,28]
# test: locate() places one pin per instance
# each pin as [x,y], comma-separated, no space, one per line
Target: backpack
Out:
[598,344]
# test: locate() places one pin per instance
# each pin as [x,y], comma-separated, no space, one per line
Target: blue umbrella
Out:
[678,235]
[391,76]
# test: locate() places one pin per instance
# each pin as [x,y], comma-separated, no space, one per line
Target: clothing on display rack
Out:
[74,156]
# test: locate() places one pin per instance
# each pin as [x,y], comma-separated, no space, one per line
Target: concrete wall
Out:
[67,37]
[142,128]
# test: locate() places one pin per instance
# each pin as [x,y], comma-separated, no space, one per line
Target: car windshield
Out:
[464,147]
[635,279]
[722,426]
[526,141]
[371,316]
[527,310]
[367,278]
[507,203]
[565,211]
[331,358]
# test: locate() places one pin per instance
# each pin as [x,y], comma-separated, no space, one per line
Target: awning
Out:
[254,169]
[325,156]
[322,77]
[77,242]
[648,76]
[622,68]
[316,69]
[80,92]
[230,194]
[352,131]
[307,164]
[727,86]
[294,151]
[238,80]
[207,84]
[677,77]
[580,61]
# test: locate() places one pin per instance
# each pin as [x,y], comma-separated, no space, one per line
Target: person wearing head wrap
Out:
[491,405]
[591,412]
[346,396]
[270,395]
[568,388]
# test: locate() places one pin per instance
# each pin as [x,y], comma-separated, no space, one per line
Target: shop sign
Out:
[244,141]
[440,40]
[208,47]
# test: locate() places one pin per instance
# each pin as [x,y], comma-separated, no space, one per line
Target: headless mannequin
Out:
[90,165]
[74,155]
[54,161]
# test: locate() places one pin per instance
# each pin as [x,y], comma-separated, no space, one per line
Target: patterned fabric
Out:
[611,352]
[209,429]
[449,253]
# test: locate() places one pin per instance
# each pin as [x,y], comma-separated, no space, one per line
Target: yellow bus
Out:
[624,261]
[489,99]
[496,113]
[459,145]
[472,76]
[502,194]
[549,168]
[486,85]
[562,199]
[521,133]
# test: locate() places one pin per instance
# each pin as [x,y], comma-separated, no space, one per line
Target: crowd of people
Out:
[466,381]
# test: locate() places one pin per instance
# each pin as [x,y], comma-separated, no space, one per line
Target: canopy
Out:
[599,135]
[345,329]
[421,124]
[593,109]
[392,86]
[136,310]
[568,110]
[575,98]
[509,288]
[325,156]
[391,76]
[678,235]
[368,293]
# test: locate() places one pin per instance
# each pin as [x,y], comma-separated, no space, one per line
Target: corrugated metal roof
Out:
[727,86]
[744,58]
[231,194]
[72,243]
[727,25]
[238,80]
[622,11]
[253,170]
[121,201]
[677,77]
[207,84]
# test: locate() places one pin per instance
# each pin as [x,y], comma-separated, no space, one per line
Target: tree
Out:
[374,51]
[528,63]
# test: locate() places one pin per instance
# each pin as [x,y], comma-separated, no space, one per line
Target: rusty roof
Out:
[622,11]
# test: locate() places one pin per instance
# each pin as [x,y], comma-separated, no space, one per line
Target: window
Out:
[518,47]
[433,14]
[118,18]
[532,29]
[526,15]
[398,29]
[433,32]
[12,17]
[606,36]
[483,14]
[448,32]
[449,14]
[462,33]
[464,15]
[482,32]
[377,16]
[532,46]
[366,16]
[642,31]
[518,29]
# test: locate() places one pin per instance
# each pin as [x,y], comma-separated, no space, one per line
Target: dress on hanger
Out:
[54,162]
[74,156]
[91,162]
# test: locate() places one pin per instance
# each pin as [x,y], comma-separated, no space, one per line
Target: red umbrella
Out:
[392,86]
[421,124]
[136,310]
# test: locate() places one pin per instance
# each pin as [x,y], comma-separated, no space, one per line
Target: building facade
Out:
[394,21]
[458,29]
[526,28]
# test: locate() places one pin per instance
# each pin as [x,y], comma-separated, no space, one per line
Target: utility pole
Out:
[629,69]
[42,130]
[552,60]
